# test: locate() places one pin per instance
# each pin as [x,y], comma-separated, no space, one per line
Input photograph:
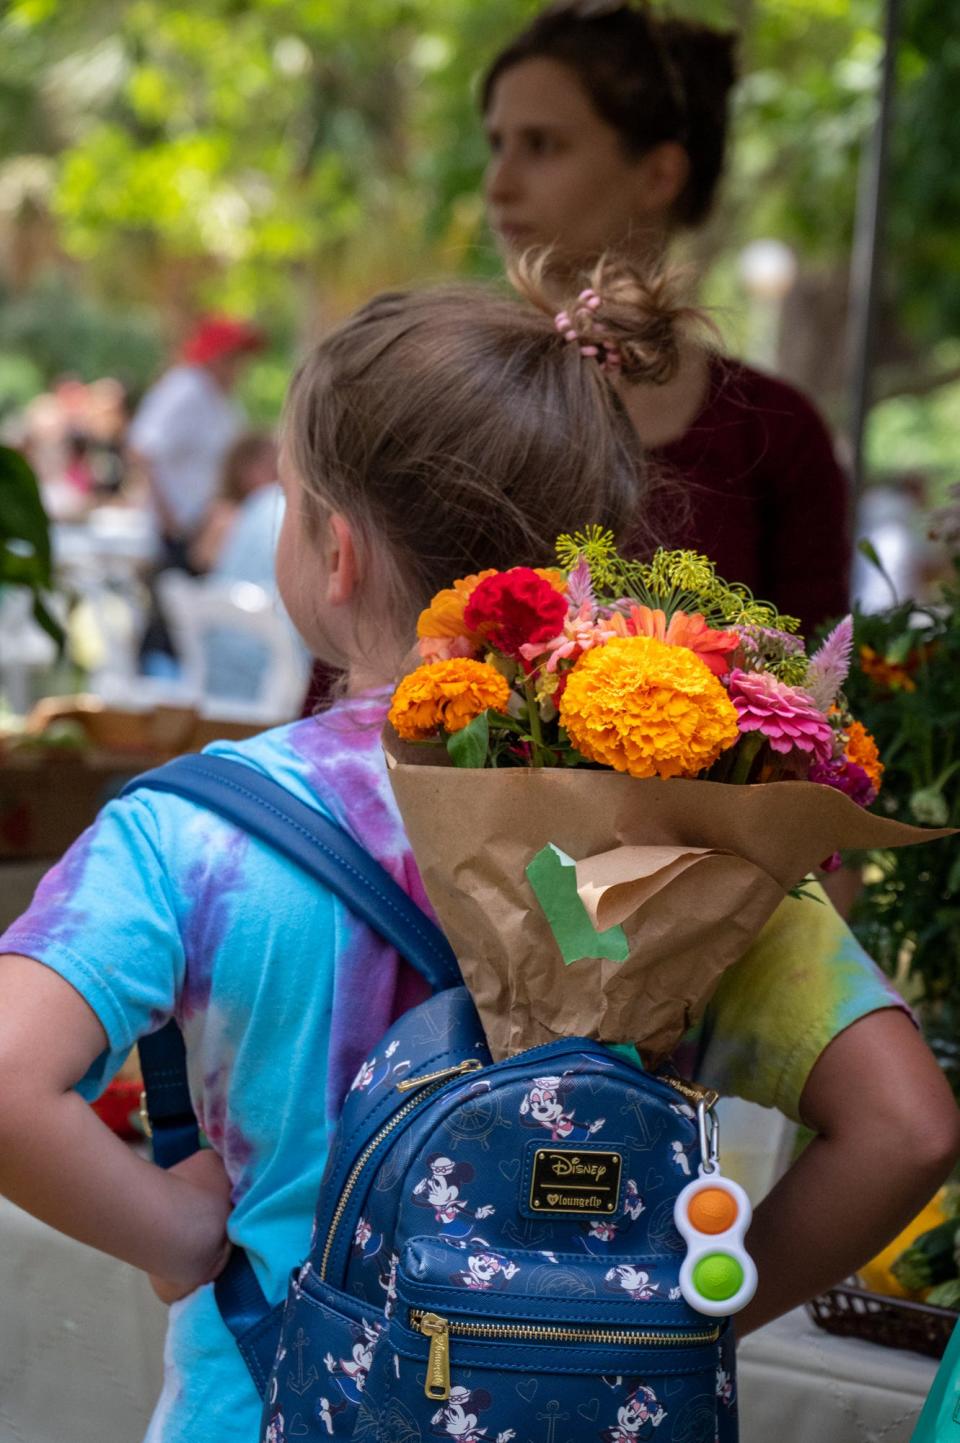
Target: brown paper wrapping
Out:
[690,869]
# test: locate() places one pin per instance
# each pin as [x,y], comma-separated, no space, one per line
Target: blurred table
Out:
[108,538]
[801,1385]
[81,1340]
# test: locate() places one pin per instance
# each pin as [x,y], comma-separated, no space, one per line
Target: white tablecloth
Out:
[81,1340]
[801,1385]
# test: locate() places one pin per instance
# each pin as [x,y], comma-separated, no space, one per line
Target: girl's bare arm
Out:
[888,1133]
[59,1162]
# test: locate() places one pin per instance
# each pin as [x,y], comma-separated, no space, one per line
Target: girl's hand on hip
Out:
[205,1222]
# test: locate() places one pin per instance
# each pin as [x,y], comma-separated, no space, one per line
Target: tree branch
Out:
[912,384]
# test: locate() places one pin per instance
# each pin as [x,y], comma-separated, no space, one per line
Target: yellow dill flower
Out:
[446,696]
[791,669]
[598,548]
[646,708]
[690,571]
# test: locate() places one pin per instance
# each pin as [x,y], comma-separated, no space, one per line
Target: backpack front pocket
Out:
[326,1349]
[495,1366]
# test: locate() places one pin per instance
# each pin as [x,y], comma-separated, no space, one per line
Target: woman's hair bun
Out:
[706,59]
[639,314]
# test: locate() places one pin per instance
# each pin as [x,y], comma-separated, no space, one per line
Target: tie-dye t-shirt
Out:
[162,908]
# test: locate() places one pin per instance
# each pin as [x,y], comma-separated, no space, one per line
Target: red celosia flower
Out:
[515,608]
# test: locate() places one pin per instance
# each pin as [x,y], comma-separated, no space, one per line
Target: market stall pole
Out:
[867,254]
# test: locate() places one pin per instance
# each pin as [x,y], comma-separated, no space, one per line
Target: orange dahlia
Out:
[689,630]
[446,696]
[862,750]
[642,706]
[441,630]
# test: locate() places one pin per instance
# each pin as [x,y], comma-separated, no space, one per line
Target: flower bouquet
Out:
[611,774]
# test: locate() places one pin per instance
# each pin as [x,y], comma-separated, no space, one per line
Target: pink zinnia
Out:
[786,715]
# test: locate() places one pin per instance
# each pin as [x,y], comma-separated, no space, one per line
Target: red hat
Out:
[217,336]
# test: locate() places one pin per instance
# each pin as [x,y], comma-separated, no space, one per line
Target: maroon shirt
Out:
[762,494]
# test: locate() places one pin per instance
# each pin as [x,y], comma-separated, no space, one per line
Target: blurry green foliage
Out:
[286,156]
[64,332]
[907,693]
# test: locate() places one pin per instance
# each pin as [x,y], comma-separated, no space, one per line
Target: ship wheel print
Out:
[475,1120]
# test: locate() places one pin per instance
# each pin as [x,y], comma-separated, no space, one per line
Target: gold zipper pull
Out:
[692,1091]
[437,1385]
[409,1083]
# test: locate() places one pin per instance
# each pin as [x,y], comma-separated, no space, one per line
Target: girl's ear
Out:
[343,571]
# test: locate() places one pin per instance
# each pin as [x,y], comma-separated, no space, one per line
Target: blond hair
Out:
[457,430]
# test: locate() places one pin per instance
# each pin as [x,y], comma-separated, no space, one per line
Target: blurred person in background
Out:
[178,439]
[249,493]
[607,128]
[185,426]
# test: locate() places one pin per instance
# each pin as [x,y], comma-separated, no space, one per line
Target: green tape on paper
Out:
[553,877]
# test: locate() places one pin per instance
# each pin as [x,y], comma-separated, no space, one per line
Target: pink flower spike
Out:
[830,664]
[580,585]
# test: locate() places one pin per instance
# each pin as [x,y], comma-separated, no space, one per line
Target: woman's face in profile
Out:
[560,175]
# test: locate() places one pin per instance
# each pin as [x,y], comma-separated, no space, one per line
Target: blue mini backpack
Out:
[494,1254]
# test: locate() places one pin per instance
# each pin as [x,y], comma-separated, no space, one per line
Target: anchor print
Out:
[303,1380]
[552,1416]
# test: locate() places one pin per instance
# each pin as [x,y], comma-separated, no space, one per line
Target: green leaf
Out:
[802,893]
[468,747]
[24,522]
[45,618]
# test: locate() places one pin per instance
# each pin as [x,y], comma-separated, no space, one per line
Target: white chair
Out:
[238,651]
[26,651]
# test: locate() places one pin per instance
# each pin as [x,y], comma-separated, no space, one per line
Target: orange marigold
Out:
[892,675]
[863,751]
[644,707]
[446,696]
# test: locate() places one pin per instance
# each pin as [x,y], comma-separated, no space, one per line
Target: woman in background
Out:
[608,131]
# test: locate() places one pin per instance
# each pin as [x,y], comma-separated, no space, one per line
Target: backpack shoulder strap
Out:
[266,810]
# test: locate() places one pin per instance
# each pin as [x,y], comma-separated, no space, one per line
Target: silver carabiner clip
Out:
[708,1127]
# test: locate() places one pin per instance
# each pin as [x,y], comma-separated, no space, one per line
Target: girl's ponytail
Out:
[459,429]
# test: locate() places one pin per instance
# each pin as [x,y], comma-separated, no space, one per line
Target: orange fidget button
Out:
[712,1210]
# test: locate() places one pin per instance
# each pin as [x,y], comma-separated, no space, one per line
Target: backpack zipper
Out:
[440,1330]
[692,1091]
[429,1083]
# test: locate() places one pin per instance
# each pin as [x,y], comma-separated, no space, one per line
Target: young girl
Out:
[431,436]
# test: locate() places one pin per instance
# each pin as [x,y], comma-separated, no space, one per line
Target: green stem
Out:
[746,756]
[533,713]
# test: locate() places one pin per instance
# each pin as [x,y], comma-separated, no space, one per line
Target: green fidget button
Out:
[717,1277]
